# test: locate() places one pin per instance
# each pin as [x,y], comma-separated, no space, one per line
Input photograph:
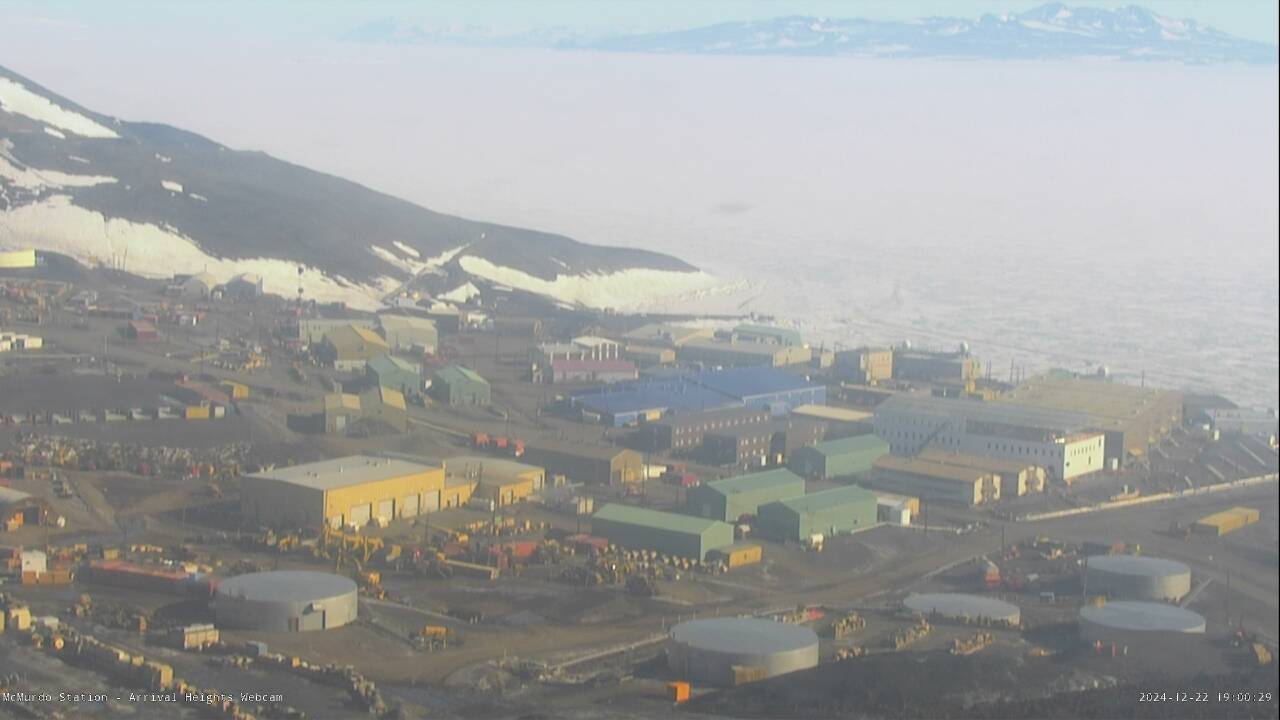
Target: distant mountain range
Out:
[1052,31]
[156,200]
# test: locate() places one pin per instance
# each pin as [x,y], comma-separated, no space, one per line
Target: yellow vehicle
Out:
[435,637]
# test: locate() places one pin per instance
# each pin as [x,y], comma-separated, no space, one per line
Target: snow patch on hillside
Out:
[625,289]
[406,249]
[461,294]
[57,225]
[50,131]
[171,185]
[30,178]
[16,99]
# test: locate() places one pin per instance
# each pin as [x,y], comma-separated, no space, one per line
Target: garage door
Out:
[386,509]
[430,501]
[360,515]
[409,506]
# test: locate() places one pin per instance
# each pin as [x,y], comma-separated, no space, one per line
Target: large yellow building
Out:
[348,491]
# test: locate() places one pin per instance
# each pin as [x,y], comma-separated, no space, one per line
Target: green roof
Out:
[827,499]
[389,363]
[856,444]
[754,482]
[455,373]
[655,519]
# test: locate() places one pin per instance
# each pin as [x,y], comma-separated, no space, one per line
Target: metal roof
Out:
[748,636]
[755,482]
[957,605]
[1113,401]
[747,382]
[391,323]
[769,331]
[1137,565]
[856,444]
[978,462]
[390,363]
[631,515]
[826,499]
[456,373]
[1144,617]
[491,468]
[294,586]
[1004,413]
[344,472]
[925,468]
[341,401]
[830,412]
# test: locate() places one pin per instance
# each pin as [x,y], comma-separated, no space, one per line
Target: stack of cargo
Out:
[1221,523]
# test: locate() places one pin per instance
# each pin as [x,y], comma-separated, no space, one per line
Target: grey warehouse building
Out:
[285,601]
[710,651]
[669,533]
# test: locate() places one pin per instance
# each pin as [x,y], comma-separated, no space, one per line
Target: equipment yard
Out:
[246,517]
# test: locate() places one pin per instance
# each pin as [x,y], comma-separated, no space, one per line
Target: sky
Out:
[1253,19]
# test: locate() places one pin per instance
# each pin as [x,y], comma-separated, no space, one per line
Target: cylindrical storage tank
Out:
[965,608]
[1143,628]
[707,651]
[1133,577]
[285,601]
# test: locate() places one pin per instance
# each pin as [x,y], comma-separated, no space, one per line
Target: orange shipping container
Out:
[678,691]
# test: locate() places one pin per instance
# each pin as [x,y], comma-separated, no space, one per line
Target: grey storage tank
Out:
[708,651]
[1144,628]
[965,608]
[285,601]
[1134,577]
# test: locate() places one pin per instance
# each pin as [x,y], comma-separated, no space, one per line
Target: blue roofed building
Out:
[629,403]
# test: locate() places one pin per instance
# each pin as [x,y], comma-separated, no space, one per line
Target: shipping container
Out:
[678,691]
[197,412]
[1221,523]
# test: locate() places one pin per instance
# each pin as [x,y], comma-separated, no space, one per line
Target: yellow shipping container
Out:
[237,391]
[197,412]
[741,554]
[1221,523]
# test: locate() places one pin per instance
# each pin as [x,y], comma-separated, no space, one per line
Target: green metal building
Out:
[827,513]
[767,334]
[734,497]
[389,371]
[838,458]
[669,533]
[456,385]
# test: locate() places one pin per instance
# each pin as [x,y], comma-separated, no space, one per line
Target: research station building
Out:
[348,491]
[838,458]
[734,497]
[829,512]
[664,532]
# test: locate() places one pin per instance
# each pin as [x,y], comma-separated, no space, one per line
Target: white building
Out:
[1063,443]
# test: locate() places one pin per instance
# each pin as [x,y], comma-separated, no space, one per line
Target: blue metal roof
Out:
[690,391]
[749,381]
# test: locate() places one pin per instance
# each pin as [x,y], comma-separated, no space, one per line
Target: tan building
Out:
[340,411]
[349,347]
[385,405]
[344,492]
[457,492]
[1017,478]
[503,481]
[934,482]
[865,366]
[1133,418]
[591,464]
